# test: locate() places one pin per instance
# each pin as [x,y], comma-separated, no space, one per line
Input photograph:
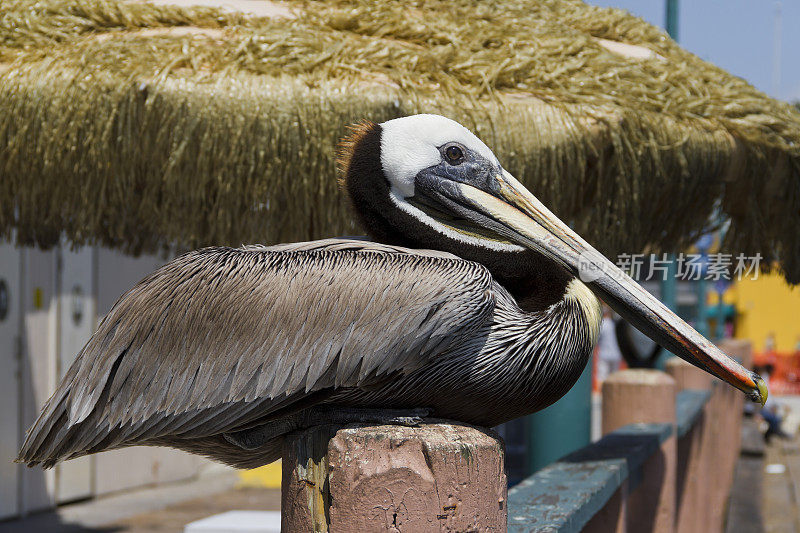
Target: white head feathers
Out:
[410,144]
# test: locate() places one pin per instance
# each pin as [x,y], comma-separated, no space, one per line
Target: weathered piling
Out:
[707,453]
[694,464]
[644,396]
[434,477]
[688,376]
[725,414]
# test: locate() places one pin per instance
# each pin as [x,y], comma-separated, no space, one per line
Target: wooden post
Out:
[694,478]
[688,376]
[433,477]
[707,454]
[725,415]
[645,396]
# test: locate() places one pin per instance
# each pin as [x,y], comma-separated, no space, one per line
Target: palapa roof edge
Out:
[130,133]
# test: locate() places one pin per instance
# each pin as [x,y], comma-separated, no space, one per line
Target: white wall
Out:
[10,323]
[38,363]
[132,467]
[57,298]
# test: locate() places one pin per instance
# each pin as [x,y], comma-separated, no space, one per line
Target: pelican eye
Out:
[454,154]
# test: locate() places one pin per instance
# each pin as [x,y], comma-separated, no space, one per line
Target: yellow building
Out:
[765,307]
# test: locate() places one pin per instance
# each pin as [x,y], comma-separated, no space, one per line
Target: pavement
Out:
[766,491]
[745,505]
[162,509]
[781,482]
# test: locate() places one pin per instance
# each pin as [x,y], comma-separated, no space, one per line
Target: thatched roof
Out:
[139,126]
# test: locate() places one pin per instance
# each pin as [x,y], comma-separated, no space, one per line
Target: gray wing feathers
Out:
[220,337]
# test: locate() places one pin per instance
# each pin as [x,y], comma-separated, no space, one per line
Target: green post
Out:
[672,18]
[669,285]
[720,322]
[563,427]
[701,324]
[669,296]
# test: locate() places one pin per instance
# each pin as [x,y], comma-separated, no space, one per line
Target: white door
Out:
[76,318]
[38,363]
[140,465]
[10,300]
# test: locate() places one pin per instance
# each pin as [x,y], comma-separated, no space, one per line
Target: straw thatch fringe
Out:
[224,132]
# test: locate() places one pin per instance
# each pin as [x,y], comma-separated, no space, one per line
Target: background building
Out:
[50,303]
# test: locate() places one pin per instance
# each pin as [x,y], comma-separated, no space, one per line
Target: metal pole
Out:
[720,325]
[672,18]
[701,324]
[703,244]
[669,297]
[669,287]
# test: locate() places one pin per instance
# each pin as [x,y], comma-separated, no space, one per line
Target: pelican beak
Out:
[532,225]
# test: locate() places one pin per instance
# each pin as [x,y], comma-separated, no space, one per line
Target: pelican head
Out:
[427,181]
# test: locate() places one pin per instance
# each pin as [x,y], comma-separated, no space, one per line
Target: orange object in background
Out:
[783,369]
[764,359]
[787,367]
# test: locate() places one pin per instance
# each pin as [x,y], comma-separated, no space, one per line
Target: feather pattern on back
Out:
[222,338]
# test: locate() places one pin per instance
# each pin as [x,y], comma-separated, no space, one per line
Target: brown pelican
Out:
[475,303]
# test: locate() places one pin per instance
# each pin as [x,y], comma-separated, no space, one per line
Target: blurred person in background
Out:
[771,415]
[609,355]
[771,412]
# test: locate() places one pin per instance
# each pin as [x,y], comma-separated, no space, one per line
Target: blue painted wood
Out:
[565,495]
[688,407]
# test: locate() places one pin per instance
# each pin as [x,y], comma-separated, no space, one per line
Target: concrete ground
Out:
[781,478]
[163,509]
[745,507]
[766,493]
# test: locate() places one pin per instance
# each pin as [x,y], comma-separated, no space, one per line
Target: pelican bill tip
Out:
[761,393]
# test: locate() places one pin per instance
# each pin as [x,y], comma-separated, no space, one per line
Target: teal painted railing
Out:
[565,495]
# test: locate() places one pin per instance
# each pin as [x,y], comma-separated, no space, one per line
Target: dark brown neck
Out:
[534,281]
